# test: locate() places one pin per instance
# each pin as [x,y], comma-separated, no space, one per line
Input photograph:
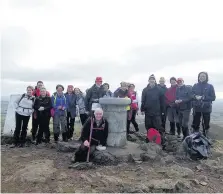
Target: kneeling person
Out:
[98,139]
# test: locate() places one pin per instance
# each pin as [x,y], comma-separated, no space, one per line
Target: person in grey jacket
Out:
[108,92]
[80,102]
[203,96]
[23,111]
[183,102]
[71,110]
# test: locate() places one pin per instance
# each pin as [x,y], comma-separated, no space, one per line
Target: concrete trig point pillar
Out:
[116,114]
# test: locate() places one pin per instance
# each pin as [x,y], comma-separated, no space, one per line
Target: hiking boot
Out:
[185,132]
[172,128]
[178,129]
[64,136]
[56,137]
[13,145]
[21,145]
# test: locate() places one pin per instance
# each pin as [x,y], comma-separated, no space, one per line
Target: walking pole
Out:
[89,149]
[203,125]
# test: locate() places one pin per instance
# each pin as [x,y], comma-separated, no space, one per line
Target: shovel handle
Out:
[89,149]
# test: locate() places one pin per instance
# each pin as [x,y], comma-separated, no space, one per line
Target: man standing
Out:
[93,94]
[203,95]
[163,89]
[35,124]
[172,113]
[183,102]
[152,104]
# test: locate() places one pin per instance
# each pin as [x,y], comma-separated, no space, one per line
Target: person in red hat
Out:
[183,102]
[94,93]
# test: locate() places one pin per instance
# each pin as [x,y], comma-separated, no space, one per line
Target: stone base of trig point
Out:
[116,114]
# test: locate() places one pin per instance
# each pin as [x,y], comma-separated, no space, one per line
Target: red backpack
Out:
[154,136]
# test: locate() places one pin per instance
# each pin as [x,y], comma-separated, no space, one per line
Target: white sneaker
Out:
[101,148]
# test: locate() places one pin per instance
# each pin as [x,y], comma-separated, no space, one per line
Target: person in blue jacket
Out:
[203,95]
[59,104]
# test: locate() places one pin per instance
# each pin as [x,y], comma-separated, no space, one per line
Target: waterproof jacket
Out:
[119,93]
[162,88]
[59,100]
[207,92]
[71,104]
[44,102]
[152,101]
[99,137]
[93,95]
[108,94]
[80,101]
[170,96]
[184,93]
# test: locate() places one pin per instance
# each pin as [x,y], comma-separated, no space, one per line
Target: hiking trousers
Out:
[83,118]
[21,123]
[59,122]
[133,121]
[70,125]
[172,115]
[184,116]
[44,122]
[197,117]
[35,125]
[153,122]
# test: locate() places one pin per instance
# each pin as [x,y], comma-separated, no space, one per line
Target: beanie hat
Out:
[152,77]
[59,85]
[173,78]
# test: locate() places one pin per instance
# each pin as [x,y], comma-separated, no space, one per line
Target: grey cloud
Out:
[28,3]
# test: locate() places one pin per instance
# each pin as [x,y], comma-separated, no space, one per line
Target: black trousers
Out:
[35,125]
[83,118]
[82,151]
[133,121]
[44,122]
[70,125]
[197,120]
[163,119]
[21,123]
[153,122]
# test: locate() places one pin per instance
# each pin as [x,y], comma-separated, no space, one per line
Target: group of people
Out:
[157,103]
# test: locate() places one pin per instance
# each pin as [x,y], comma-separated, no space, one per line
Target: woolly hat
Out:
[59,85]
[152,77]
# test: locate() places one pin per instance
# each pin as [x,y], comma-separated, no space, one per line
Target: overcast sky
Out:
[72,42]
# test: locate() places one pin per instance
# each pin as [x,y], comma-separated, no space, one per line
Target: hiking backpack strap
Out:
[21,98]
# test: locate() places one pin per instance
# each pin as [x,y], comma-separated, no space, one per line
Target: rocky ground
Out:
[49,169]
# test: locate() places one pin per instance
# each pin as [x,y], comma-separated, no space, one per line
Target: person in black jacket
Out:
[43,106]
[94,94]
[152,104]
[98,138]
[121,92]
[163,89]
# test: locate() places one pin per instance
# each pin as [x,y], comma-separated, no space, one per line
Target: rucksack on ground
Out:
[154,135]
[197,146]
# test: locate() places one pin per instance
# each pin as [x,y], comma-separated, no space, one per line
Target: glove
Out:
[41,108]
[198,97]
[86,143]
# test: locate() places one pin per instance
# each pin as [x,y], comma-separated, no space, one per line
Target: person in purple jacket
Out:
[203,95]
[59,104]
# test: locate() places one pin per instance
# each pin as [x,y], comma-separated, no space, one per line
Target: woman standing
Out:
[43,106]
[71,110]
[23,111]
[81,105]
[134,108]
[108,92]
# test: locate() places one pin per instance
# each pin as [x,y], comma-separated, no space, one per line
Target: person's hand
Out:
[198,97]
[59,107]
[142,113]
[86,143]
[86,112]
[162,113]
[41,108]
[63,108]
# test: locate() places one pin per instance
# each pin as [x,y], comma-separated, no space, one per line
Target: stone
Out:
[113,179]
[168,159]
[82,166]
[148,156]
[203,178]
[67,146]
[151,147]
[62,176]
[162,185]
[86,178]
[198,167]
[203,183]
[133,159]
[98,174]
[36,171]
[176,171]
[104,158]
[195,181]
[115,112]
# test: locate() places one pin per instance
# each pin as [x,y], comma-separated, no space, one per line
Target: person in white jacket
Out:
[23,111]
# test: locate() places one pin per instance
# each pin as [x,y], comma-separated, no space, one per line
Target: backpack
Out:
[197,146]
[52,111]
[154,135]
